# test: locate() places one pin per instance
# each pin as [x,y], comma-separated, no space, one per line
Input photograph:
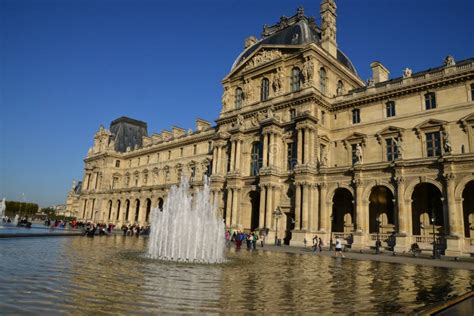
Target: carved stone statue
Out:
[449,61]
[225,98]
[340,88]
[269,113]
[407,72]
[324,157]
[73,184]
[358,154]
[398,142]
[278,82]
[248,92]
[240,120]
[447,144]
[370,82]
[308,70]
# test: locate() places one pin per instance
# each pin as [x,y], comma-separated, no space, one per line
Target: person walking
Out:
[338,249]
[320,244]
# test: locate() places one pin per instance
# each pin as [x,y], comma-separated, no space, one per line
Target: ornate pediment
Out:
[429,124]
[355,138]
[466,121]
[261,57]
[390,131]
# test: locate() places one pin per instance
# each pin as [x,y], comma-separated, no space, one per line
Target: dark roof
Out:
[128,133]
[296,30]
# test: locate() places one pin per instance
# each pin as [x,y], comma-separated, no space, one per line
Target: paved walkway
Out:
[444,262]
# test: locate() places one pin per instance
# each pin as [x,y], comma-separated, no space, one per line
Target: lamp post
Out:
[330,232]
[277,214]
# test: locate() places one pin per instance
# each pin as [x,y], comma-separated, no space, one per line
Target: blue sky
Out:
[68,66]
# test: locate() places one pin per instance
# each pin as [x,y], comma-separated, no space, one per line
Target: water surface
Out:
[80,275]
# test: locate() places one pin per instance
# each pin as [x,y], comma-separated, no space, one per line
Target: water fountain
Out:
[2,209]
[187,229]
[15,220]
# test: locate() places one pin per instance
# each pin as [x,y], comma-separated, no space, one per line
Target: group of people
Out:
[250,239]
[135,230]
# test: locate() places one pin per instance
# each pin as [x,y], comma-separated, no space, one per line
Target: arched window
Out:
[322,80]
[295,79]
[256,159]
[264,89]
[238,98]
[340,88]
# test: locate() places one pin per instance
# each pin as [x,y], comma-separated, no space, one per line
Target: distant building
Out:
[300,132]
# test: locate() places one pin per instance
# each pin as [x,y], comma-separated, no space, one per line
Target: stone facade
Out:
[301,137]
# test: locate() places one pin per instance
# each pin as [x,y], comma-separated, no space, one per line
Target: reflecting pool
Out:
[81,275]
[11,229]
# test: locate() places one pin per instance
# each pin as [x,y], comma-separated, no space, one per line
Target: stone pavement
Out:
[444,262]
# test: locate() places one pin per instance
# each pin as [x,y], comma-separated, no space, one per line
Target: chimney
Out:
[379,72]
[328,27]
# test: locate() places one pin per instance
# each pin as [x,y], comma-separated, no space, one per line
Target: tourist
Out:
[249,241]
[338,250]
[254,240]
[262,240]
[227,238]
[238,240]
[320,244]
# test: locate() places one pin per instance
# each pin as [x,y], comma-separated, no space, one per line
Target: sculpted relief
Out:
[262,57]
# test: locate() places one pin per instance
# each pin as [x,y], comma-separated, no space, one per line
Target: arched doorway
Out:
[148,209]
[468,209]
[426,207]
[137,210]
[254,197]
[160,204]
[342,211]
[381,210]
[118,209]
[127,209]
[110,210]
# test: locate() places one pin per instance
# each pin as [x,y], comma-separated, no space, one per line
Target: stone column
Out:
[235,206]
[268,219]
[402,213]
[455,217]
[306,145]
[311,146]
[310,208]
[315,210]
[214,160]
[305,215]
[238,154]
[218,159]
[298,207]
[228,207]
[263,195]
[300,147]
[323,211]
[271,150]
[232,155]
[360,212]
[265,150]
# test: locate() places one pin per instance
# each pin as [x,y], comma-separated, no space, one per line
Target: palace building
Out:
[304,146]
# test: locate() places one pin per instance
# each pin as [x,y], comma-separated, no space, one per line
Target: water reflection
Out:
[111,275]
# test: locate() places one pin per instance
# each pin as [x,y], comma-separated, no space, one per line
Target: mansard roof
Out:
[296,30]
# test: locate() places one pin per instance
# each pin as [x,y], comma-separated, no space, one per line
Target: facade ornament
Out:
[300,12]
[447,144]
[283,22]
[370,82]
[270,113]
[449,61]
[407,72]
[358,154]
[73,184]
[308,70]
[190,131]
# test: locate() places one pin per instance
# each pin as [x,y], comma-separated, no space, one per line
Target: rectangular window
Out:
[181,152]
[209,147]
[472,91]
[390,108]
[433,144]
[323,117]
[291,154]
[117,163]
[147,159]
[392,152]
[169,154]
[194,149]
[430,101]
[295,79]
[355,116]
